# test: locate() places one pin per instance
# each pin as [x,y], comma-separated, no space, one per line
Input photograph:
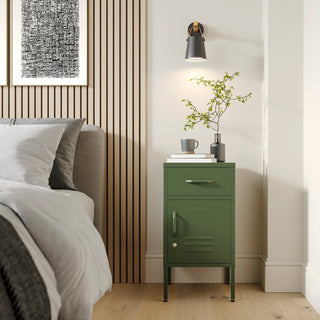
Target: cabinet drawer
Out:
[199,181]
[198,231]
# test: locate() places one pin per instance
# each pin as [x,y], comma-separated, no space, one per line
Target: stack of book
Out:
[192,158]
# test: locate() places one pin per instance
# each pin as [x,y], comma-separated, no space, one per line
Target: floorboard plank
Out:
[264,305]
[296,306]
[200,302]
[223,308]
[153,306]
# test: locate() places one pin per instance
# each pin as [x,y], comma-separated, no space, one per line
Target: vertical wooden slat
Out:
[115,100]
[90,93]
[130,140]
[5,89]
[5,99]
[136,140]
[44,103]
[77,102]
[104,95]
[71,102]
[25,102]
[110,161]
[12,109]
[116,132]
[143,164]
[57,101]
[84,102]
[97,63]
[51,99]
[64,102]
[11,90]
[38,102]
[32,102]
[123,139]
[18,103]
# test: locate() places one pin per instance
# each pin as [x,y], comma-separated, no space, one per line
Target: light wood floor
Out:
[200,302]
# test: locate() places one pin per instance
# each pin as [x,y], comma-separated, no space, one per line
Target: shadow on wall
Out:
[228,50]
[248,211]
[212,34]
[306,240]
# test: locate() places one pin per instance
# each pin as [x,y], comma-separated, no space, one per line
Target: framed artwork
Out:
[3,43]
[49,42]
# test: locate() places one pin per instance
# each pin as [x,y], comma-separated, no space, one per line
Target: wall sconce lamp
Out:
[195,43]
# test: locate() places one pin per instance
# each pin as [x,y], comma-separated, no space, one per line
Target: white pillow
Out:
[27,152]
[3,127]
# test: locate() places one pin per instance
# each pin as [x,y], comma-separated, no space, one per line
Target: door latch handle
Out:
[174,223]
[198,181]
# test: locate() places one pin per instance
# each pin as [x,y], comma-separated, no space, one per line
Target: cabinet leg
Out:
[232,284]
[227,271]
[169,275]
[165,283]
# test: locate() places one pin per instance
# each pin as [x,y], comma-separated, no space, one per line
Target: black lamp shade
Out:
[195,48]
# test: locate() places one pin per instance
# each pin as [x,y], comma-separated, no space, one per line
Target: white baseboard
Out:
[247,271]
[312,288]
[274,275]
[281,275]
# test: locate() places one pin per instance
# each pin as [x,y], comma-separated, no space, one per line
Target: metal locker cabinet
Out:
[199,218]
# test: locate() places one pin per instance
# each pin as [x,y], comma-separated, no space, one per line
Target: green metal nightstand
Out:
[199,218]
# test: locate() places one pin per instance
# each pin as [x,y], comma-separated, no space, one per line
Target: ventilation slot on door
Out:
[198,244]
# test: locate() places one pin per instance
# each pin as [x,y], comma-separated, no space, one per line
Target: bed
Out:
[53,260]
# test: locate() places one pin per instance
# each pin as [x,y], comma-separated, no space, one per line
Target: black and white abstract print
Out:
[50,39]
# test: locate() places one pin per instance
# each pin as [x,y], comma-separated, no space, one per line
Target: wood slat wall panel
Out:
[114,100]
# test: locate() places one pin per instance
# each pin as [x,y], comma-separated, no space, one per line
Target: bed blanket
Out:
[23,294]
[69,241]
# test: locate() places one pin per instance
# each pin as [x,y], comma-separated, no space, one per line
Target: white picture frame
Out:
[43,55]
[3,43]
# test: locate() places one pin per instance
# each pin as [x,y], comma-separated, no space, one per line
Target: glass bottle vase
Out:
[218,148]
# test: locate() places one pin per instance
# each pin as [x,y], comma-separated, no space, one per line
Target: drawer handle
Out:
[174,223]
[198,181]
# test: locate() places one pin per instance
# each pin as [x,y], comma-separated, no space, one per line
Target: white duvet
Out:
[69,252]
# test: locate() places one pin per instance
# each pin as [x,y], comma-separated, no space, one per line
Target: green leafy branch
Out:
[217,106]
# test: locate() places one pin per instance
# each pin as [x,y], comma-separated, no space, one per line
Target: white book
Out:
[192,156]
[212,160]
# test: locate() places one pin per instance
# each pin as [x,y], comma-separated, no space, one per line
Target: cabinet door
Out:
[198,231]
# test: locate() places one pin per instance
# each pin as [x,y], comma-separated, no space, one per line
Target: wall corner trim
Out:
[283,275]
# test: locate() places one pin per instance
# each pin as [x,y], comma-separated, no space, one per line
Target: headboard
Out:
[89,169]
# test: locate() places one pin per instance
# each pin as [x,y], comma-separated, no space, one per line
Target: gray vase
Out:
[218,148]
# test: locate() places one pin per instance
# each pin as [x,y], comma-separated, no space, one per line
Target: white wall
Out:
[273,139]
[233,32]
[311,150]
[283,217]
